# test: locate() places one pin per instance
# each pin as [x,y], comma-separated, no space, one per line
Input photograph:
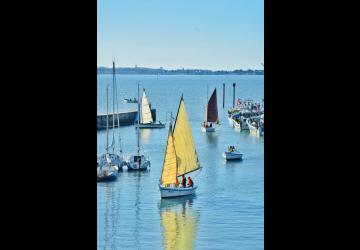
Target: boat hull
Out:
[210,129]
[107,177]
[172,192]
[232,156]
[135,166]
[151,125]
[255,131]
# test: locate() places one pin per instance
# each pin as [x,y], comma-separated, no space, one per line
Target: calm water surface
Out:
[228,210]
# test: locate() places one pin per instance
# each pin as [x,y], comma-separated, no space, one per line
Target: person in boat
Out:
[177,182]
[190,182]
[210,125]
[183,181]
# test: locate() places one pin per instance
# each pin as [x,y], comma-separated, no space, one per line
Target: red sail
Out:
[212,111]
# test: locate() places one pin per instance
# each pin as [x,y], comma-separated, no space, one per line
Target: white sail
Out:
[146,116]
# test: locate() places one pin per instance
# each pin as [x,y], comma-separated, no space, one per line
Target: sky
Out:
[173,34]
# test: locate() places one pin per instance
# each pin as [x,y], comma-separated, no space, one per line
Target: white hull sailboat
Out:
[115,161]
[145,116]
[180,157]
[138,161]
[106,171]
[211,114]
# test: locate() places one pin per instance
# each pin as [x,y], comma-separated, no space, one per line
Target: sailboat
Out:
[180,156]
[113,159]
[145,116]
[211,114]
[138,161]
[106,171]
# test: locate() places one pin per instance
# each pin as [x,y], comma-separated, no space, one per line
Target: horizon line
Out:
[181,68]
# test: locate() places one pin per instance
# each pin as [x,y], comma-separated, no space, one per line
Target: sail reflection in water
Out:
[179,223]
[145,135]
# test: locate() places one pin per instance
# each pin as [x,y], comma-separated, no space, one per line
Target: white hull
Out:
[231,122]
[150,125]
[232,155]
[255,131]
[211,129]
[168,192]
[236,124]
[135,165]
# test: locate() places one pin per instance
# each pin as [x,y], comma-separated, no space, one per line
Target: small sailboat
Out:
[180,156]
[138,161]
[211,114]
[232,153]
[145,116]
[112,159]
[106,170]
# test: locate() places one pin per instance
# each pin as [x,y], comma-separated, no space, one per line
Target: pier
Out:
[126,118]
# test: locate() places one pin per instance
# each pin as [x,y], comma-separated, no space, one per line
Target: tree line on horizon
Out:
[161,71]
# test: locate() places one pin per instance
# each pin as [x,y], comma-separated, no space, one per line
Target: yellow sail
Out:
[168,175]
[187,159]
[146,116]
[179,227]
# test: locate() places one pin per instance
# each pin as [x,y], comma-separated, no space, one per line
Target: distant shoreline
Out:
[161,71]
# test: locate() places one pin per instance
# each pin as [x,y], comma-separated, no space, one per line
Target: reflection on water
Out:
[145,134]
[136,232]
[179,223]
[211,138]
[109,213]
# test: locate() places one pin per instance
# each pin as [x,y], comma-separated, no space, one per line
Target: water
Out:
[228,210]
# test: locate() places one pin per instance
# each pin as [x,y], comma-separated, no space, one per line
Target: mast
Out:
[138,139]
[113,107]
[207,101]
[107,119]
[118,115]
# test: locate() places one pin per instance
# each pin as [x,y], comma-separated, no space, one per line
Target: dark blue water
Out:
[228,210]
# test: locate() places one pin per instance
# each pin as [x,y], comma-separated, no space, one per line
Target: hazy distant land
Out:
[160,71]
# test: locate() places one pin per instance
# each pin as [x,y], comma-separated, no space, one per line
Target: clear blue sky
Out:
[201,34]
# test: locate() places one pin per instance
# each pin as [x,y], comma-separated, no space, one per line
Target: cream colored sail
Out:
[179,228]
[168,175]
[187,159]
[146,116]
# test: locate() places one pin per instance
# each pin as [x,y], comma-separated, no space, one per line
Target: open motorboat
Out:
[130,100]
[232,154]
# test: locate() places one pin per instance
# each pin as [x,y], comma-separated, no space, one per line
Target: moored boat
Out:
[145,119]
[138,161]
[211,114]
